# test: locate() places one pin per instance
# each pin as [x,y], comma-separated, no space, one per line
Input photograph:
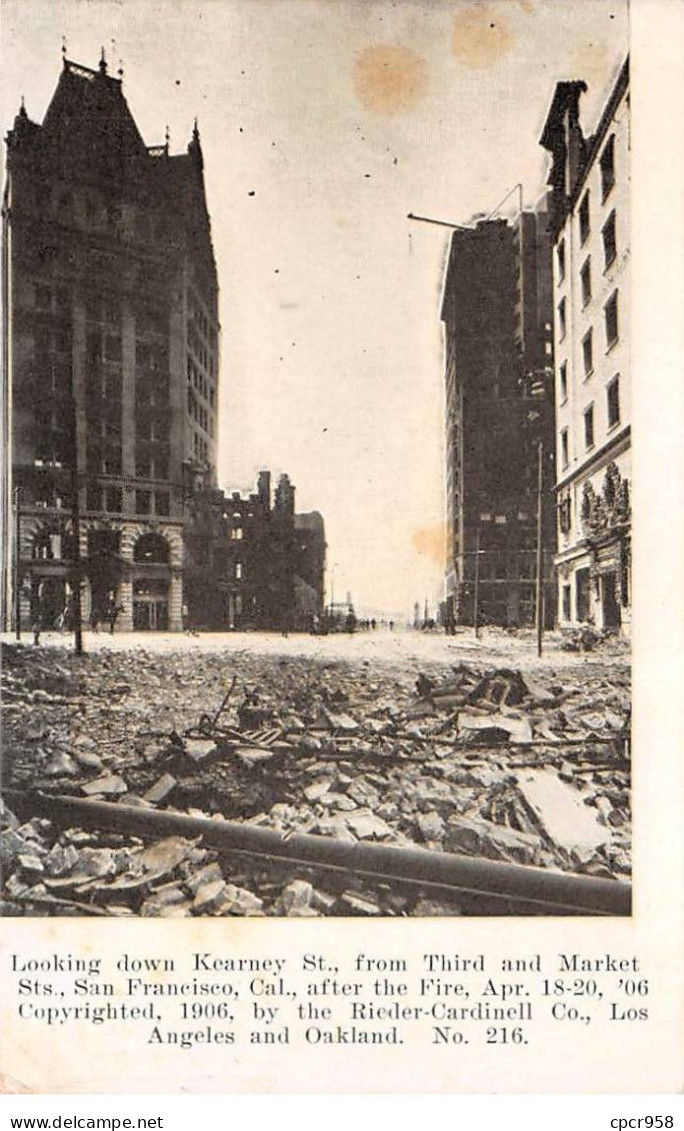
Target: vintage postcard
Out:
[335,385]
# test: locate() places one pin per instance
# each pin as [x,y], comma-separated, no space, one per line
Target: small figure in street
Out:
[37,619]
[391,626]
[113,611]
[94,620]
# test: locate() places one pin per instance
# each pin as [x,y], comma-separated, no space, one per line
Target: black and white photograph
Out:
[316,495]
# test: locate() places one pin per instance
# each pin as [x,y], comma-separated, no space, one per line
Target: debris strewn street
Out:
[449,744]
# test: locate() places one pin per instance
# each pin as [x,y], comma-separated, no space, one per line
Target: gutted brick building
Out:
[251,562]
[111,363]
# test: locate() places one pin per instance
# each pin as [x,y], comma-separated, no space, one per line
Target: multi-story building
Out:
[251,562]
[310,548]
[589,178]
[110,372]
[497,318]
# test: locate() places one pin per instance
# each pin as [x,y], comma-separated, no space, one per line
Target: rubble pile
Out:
[519,767]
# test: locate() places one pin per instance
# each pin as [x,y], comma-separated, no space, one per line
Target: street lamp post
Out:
[539,602]
[16,564]
[476,609]
[75,528]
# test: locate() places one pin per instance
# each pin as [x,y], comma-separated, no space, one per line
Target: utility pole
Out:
[76,530]
[476,609]
[17,557]
[539,603]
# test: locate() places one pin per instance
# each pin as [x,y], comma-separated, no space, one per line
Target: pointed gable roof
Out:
[89,115]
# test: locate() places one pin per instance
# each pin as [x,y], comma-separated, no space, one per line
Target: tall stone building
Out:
[497,314]
[589,178]
[111,362]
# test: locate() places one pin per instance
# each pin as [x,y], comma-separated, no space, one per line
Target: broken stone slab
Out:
[335,826]
[503,686]
[253,756]
[61,765]
[323,901]
[477,837]
[16,887]
[317,789]
[86,758]
[477,775]
[295,898]
[431,908]
[540,697]
[138,802]
[209,896]
[341,722]
[165,855]
[108,785]
[353,903]
[12,845]
[431,826]
[240,901]
[30,865]
[487,727]
[176,910]
[97,863]
[156,903]
[210,873]
[61,859]
[366,826]
[559,811]
[199,748]
[363,793]
[338,801]
[7,818]
[162,788]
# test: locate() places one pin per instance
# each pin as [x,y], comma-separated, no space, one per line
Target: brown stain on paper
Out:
[480,35]
[389,79]
[430,541]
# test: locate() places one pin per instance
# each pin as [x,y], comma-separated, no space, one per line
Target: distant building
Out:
[310,548]
[497,314]
[251,562]
[110,301]
[589,177]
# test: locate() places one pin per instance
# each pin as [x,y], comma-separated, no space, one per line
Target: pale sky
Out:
[323,123]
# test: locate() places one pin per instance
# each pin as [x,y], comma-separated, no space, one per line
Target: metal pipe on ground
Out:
[558,892]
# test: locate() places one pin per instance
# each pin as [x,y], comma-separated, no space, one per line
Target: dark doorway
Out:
[582,594]
[150,604]
[611,608]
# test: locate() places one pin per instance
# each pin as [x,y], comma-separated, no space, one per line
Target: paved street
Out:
[401,648]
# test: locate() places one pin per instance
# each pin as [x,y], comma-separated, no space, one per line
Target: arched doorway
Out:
[151,575]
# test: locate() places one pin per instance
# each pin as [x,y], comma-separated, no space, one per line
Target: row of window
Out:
[607,174]
[201,353]
[151,461]
[199,323]
[110,499]
[613,415]
[200,448]
[103,456]
[609,238]
[611,325]
[199,413]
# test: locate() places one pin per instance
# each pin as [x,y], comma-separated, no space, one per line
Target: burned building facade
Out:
[497,315]
[251,562]
[110,371]
[589,178]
